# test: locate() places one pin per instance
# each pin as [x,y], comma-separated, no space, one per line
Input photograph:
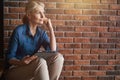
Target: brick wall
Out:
[87,33]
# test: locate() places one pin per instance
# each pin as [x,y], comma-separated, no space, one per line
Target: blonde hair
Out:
[34,4]
[31,6]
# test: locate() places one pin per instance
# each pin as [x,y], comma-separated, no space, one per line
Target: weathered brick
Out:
[82,62]
[72,57]
[75,12]
[90,34]
[73,34]
[81,40]
[80,73]
[109,1]
[90,12]
[75,45]
[82,6]
[90,57]
[98,62]
[106,67]
[91,1]
[71,68]
[98,73]
[89,78]
[106,78]
[98,51]
[83,29]
[90,46]
[17,10]
[65,5]
[74,1]
[81,51]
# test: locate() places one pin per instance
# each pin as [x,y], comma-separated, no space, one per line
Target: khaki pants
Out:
[47,67]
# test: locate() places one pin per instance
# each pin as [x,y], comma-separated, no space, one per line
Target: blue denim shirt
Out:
[22,43]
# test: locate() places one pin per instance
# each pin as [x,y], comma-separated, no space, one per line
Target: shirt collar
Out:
[28,32]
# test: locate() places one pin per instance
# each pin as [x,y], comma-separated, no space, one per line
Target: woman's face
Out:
[37,16]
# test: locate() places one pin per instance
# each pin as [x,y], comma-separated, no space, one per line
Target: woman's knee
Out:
[59,56]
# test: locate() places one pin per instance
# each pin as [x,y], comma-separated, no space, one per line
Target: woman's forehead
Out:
[39,9]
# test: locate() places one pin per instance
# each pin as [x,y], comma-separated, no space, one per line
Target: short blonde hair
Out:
[34,4]
[31,6]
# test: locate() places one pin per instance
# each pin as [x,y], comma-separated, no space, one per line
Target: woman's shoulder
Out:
[20,28]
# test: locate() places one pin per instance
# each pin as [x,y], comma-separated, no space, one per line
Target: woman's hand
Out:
[27,59]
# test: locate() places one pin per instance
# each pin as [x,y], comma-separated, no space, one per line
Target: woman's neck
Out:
[32,28]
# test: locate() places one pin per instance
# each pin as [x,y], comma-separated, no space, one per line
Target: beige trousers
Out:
[47,67]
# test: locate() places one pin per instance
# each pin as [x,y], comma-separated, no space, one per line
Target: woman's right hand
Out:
[27,59]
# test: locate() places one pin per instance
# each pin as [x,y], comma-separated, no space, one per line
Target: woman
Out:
[24,61]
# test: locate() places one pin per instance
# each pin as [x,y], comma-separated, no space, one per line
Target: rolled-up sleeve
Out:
[13,45]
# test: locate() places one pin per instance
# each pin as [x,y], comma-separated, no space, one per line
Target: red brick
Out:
[115,7]
[80,73]
[82,6]
[90,45]
[90,34]
[98,62]
[72,57]
[108,12]
[68,62]
[113,51]
[58,22]
[107,34]
[91,23]
[66,73]
[65,5]
[106,67]
[75,45]
[15,22]
[81,51]
[100,6]
[99,40]
[98,51]
[75,12]
[107,46]
[99,29]
[82,17]
[17,10]
[89,78]
[85,67]
[50,5]
[109,1]
[74,1]
[6,22]
[82,40]
[114,18]
[98,73]
[113,62]
[99,18]
[59,45]
[51,16]
[11,4]
[91,1]
[73,34]
[72,68]
[59,28]
[66,51]
[73,23]
[82,62]
[83,29]
[90,12]
[90,57]
[55,0]
[11,16]
[114,29]
[72,78]
[64,17]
